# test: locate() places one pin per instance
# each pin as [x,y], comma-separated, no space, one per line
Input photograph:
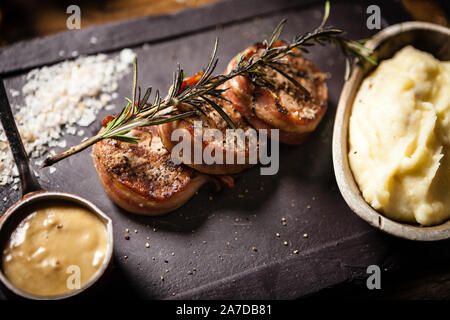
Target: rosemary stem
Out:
[147,113]
[75,149]
[127,127]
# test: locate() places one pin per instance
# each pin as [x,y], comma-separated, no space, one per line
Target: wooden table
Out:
[44,18]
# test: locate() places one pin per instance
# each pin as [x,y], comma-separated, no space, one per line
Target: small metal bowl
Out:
[32,194]
[423,36]
[15,214]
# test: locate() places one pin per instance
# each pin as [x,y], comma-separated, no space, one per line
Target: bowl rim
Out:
[344,176]
[39,196]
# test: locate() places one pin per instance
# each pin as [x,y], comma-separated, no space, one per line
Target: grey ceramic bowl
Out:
[423,36]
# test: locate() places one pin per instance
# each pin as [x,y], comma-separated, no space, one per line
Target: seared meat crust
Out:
[282,105]
[212,120]
[142,178]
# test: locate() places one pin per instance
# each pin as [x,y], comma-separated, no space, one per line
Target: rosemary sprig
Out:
[139,113]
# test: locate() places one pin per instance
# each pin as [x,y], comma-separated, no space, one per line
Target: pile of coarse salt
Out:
[57,98]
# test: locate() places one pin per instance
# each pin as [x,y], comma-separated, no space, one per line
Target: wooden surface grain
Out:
[24,19]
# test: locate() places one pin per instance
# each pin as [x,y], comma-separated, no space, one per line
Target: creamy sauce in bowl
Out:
[56,249]
[399,138]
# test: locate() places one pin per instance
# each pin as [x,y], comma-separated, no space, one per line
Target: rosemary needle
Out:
[139,113]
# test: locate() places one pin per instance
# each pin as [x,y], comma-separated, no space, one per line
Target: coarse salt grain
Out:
[59,97]
[127,56]
[71,130]
[93,40]
[14,93]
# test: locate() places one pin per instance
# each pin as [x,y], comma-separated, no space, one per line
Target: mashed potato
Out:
[399,138]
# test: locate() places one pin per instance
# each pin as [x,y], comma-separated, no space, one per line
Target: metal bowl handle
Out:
[27,178]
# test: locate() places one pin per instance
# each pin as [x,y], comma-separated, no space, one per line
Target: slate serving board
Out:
[204,249]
